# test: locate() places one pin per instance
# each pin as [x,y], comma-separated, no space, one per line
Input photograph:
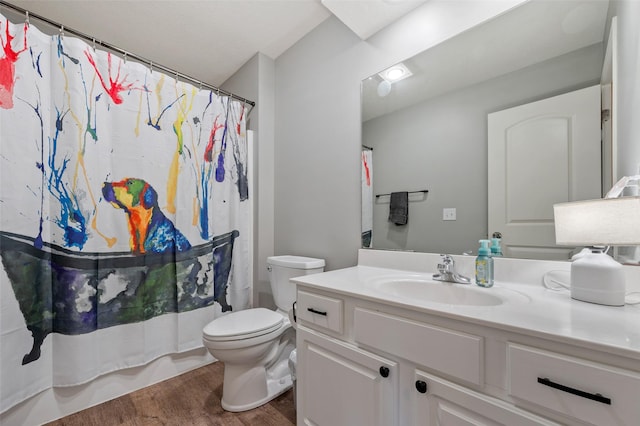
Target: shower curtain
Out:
[367,196]
[123,221]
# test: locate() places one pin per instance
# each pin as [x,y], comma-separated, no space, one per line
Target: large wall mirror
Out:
[493,123]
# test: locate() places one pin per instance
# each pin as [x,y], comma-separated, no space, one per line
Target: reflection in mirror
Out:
[430,131]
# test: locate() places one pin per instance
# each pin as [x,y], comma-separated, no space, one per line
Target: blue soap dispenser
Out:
[496,250]
[484,265]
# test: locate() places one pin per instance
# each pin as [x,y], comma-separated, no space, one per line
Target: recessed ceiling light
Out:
[395,73]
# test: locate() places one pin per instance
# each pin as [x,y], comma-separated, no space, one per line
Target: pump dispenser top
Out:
[496,250]
[484,248]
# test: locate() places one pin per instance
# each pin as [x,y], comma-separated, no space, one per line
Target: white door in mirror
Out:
[540,154]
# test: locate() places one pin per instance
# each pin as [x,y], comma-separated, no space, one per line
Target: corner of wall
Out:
[255,80]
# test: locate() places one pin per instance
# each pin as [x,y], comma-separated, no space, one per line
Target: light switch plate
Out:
[449,213]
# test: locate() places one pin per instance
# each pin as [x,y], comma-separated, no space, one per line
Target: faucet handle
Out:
[447,271]
[446,258]
[447,264]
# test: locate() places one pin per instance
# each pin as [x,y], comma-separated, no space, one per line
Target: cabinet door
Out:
[438,402]
[341,385]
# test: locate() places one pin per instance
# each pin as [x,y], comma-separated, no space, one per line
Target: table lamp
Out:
[595,276]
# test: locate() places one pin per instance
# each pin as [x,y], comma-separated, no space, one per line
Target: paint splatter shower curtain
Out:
[367,196]
[123,213]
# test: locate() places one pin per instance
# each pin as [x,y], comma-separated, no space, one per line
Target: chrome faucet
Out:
[447,272]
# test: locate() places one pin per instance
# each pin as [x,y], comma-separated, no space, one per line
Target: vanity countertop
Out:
[528,307]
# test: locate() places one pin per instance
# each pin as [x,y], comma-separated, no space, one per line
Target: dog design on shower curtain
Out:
[59,291]
[149,229]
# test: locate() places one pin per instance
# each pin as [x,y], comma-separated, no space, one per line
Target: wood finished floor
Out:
[192,398]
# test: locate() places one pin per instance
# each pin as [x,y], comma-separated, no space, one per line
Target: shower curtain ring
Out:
[26,18]
[151,67]
[61,32]
[94,44]
[125,57]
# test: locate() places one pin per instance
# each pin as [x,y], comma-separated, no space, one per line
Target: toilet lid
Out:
[243,324]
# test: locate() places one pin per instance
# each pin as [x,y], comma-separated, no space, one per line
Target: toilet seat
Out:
[243,325]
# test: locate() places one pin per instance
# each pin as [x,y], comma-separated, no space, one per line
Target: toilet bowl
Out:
[255,344]
[251,344]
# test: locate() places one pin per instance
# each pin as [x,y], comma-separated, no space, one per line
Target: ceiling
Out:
[210,40]
[529,34]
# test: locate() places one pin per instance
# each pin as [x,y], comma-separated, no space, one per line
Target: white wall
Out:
[441,145]
[628,12]
[317,127]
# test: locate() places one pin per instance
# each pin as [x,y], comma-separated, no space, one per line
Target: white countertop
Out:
[528,307]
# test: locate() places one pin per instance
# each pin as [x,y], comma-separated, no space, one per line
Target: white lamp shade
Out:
[602,222]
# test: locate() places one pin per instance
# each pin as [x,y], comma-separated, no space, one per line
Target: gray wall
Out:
[317,164]
[317,130]
[441,145]
[256,81]
[317,148]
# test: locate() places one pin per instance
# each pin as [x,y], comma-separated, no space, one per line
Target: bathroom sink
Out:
[429,290]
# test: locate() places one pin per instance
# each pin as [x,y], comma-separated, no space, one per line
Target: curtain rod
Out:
[123,52]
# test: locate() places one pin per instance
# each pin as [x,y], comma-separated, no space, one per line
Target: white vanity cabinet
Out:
[344,385]
[355,386]
[362,361]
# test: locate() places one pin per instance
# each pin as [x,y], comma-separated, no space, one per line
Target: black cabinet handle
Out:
[421,386]
[573,391]
[384,371]
[313,311]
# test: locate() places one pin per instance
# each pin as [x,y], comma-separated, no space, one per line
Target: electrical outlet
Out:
[449,214]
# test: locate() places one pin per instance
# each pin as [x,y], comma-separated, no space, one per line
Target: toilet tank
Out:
[282,269]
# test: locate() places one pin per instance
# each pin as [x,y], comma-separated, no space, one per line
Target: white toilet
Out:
[255,344]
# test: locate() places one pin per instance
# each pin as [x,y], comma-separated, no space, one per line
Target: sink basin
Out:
[426,289]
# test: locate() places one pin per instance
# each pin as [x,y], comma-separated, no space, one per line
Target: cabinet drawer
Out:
[591,392]
[447,351]
[439,402]
[320,311]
